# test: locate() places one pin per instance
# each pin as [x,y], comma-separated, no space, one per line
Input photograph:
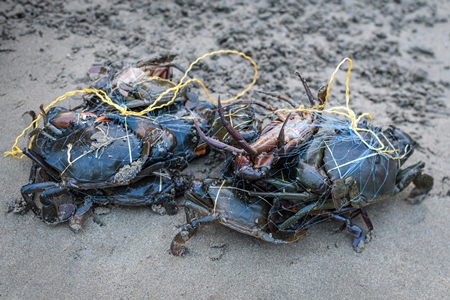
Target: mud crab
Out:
[82,152]
[340,172]
[225,204]
[138,85]
[337,176]
[332,172]
[280,139]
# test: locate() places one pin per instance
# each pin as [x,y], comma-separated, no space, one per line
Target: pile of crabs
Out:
[281,177]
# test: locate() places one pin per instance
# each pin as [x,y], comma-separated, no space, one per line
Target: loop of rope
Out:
[348,113]
[344,111]
[15,150]
[182,84]
[17,153]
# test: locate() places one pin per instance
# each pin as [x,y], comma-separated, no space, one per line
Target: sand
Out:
[401,56]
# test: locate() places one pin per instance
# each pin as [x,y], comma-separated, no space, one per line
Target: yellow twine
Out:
[15,150]
[347,112]
[182,84]
[350,114]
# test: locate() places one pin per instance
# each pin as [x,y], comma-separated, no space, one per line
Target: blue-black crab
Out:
[92,151]
[334,174]
[213,201]
[97,157]
[138,85]
[88,156]
[341,172]
[277,142]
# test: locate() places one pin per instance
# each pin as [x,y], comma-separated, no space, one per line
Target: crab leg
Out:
[180,68]
[308,91]
[215,143]
[52,212]
[29,190]
[256,102]
[278,96]
[281,139]
[233,132]
[354,230]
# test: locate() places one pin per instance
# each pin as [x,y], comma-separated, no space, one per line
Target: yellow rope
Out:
[350,114]
[182,84]
[15,150]
[17,153]
[347,112]
[344,111]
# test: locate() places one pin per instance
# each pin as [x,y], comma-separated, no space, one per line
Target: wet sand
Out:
[401,58]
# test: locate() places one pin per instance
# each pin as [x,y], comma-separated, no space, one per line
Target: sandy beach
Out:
[401,75]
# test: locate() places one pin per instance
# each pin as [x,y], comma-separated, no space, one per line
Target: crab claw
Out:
[307,90]
[65,119]
[233,132]
[215,143]
[102,119]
